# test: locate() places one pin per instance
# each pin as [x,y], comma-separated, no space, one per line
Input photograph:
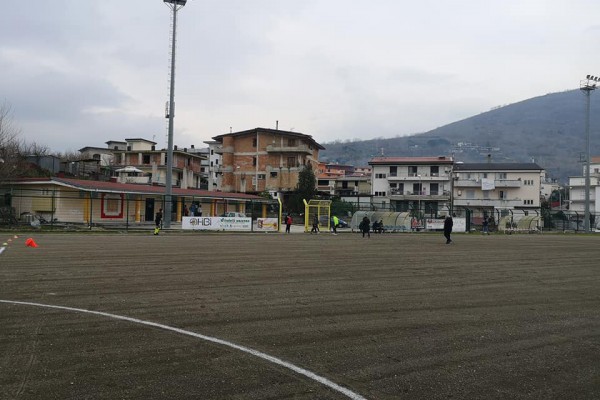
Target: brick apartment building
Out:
[261,159]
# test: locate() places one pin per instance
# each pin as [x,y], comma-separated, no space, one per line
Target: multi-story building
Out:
[411,183]
[215,160]
[263,159]
[486,188]
[577,189]
[143,155]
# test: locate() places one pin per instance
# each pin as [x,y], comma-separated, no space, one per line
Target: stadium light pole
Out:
[174,5]
[587,86]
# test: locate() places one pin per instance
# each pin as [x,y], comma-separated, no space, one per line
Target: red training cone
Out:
[30,243]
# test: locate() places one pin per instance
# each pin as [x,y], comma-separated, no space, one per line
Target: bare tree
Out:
[10,154]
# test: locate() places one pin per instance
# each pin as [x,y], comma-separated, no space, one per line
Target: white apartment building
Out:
[577,189]
[487,188]
[412,183]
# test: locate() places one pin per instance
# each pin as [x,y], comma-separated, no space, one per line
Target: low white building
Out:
[577,189]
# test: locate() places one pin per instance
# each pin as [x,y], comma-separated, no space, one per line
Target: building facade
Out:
[418,184]
[261,159]
[491,188]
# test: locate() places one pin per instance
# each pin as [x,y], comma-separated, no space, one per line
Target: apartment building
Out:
[577,189]
[262,159]
[411,183]
[489,187]
[143,155]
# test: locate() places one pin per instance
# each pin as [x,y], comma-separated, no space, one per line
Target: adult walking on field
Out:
[334,223]
[158,221]
[365,226]
[315,226]
[448,223]
[288,223]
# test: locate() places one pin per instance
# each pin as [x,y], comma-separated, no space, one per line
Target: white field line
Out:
[324,381]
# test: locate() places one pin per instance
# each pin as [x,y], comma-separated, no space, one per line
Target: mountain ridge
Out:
[548,129]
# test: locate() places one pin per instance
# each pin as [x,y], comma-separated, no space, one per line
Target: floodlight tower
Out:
[174,5]
[587,86]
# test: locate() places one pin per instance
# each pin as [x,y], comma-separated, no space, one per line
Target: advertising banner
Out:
[217,223]
[458,224]
[267,225]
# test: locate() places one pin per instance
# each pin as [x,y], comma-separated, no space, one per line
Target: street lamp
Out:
[587,86]
[174,5]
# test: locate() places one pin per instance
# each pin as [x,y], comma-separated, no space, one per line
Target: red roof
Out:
[101,186]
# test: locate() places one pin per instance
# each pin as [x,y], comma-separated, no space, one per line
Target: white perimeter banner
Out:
[267,225]
[459,224]
[217,223]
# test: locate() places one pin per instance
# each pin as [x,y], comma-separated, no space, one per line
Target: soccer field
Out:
[275,316]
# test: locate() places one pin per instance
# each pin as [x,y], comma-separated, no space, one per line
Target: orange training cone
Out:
[30,243]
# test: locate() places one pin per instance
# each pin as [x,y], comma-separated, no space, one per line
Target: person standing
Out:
[315,226]
[334,223]
[158,221]
[365,226]
[288,223]
[448,223]
[486,226]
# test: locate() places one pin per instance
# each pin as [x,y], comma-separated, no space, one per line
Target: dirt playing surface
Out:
[397,316]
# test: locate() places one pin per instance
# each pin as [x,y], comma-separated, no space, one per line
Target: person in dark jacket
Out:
[448,228]
[158,221]
[315,227]
[365,226]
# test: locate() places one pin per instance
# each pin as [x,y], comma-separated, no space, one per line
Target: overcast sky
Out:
[81,72]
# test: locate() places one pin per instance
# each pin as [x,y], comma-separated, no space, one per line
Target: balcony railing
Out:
[289,149]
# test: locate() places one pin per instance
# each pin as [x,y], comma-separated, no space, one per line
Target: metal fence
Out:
[59,209]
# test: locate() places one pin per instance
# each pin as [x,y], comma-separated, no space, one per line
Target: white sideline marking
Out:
[2,249]
[324,381]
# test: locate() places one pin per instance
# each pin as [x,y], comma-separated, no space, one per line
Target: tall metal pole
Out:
[587,86]
[174,5]
[586,217]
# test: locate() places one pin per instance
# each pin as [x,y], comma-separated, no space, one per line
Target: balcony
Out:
[423,195]
[497,203]
[303,149]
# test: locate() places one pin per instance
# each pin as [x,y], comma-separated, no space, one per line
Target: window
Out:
[380,176]
[291,162]
[262,176]
[291,142]
[501,175]
[212,152]
[146,159]
[502,195]
[413,170]
[345,185]
[254,142]
[393,171]
[528,202]
[254,161]
[273,174]
[435,170]
[434,189]
[380,194]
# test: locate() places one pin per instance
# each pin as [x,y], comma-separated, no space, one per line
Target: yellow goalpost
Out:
[319,208]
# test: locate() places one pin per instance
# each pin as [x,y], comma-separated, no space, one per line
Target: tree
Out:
[305,190]
[10,155]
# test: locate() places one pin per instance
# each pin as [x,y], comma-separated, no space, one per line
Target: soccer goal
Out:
[321,209]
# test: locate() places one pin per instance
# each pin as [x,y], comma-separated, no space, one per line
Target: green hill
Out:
[549,129]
